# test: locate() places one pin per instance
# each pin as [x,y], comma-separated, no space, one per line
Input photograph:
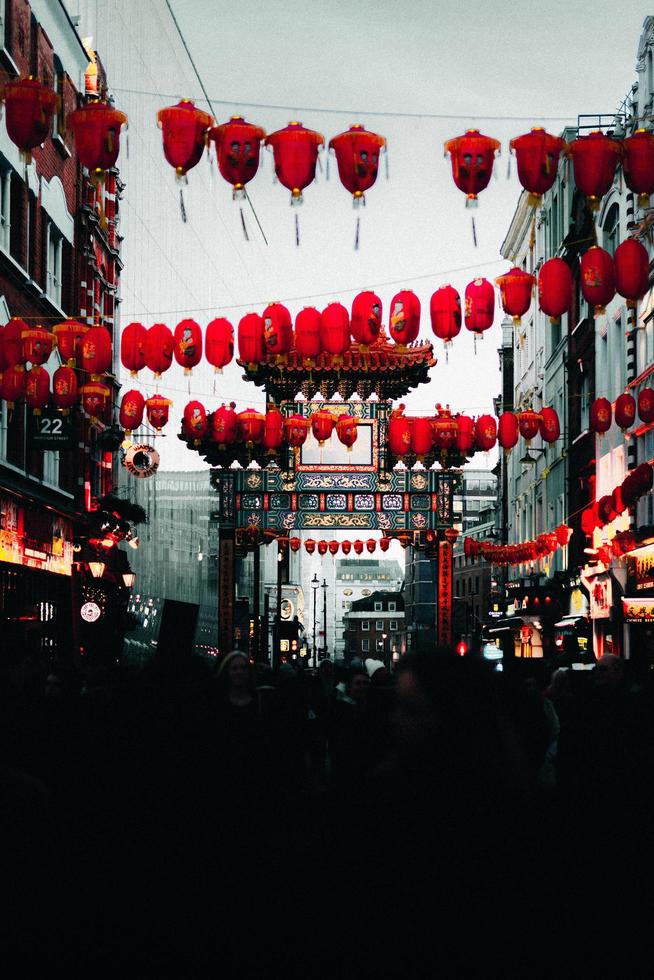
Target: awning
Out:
[570,622]
[506,626]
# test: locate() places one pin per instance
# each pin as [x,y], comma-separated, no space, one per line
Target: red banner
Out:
[444,623]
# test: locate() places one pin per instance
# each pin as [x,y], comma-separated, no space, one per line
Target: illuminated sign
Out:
[638,610]
[90,612]
[601,597]
[141,460]
[641,567]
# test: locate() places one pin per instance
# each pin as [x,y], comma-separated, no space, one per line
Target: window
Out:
[365,625]
[393,625]
[365,646]
[378,607]
[392,606]
[611,229]
[54,264]
[5,205]
[379,625]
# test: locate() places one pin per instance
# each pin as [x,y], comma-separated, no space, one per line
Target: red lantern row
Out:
[624,411]
[333,547]
[634,486]
[517,554]
[22,344]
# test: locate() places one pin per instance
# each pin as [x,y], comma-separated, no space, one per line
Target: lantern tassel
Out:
[474,232]
[182,209]
[297,230]
[356,234]
[327,166]
[243,226]
[508,167]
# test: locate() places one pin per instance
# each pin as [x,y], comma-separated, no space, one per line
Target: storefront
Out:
[573,633]
[638,605]
[604,594]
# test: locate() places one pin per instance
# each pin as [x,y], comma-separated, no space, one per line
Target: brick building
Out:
[58,259]
[374,627]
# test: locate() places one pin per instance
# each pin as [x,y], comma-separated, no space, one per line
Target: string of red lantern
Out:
[517,554]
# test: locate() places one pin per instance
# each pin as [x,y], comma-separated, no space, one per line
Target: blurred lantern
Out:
[37,344]
[625,411]
[273,433]
[96,129]
[472,157]
[224,426]
[563,535]
[96,398]
[3,362]
[346,547]
[589,520]
[346,430]
[251,341]
[251,427]
[322,547]
[485,432]
[37,389]
[646,405]
[554,288]
[404,318]
[95,352]
[465,434]
[310,546]
[68,336]
[296,430]
[479,307]
[358,546]
[64,388]
[644,476]
[631,267]
[537,156]
[322,425]
[29,109]
[630,490]
[618,502]
[624,542]
[508,431]
[516,289]
[638,165]
[295,544]
[422,436]
[550,427]
[335,331]
[238,146]
[159,344]
[194,422]
[371,545]
[357,156]
[187,344]
[366,319]
[184,130]
[597,278]
[451,535]
[308,328]
[444,428]
[12,341]
[278,331]
[219,343]
[445,312]
[132,347]
[399,432]
[132,407]
[384,543]
[157,408]
[601,415]
[529,424]
[605,511]
[295,151]
[594,159]
[333,547]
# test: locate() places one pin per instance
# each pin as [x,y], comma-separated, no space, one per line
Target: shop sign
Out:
[141,460]
[527,643]
[90,612]
[641,568]
[601,597]
[638,610]
[445,593]
[51,430]
[578,603]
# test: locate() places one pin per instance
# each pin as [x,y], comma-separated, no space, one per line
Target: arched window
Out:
[611,229]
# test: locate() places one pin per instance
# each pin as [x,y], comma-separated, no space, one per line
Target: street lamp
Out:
[129,578]
[324,614]
[96,568]
[314,585]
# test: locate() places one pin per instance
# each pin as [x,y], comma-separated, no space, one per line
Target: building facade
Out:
[374,626]
[356,579]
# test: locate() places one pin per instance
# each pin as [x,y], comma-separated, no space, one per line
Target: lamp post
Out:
[324,614]
[314,585]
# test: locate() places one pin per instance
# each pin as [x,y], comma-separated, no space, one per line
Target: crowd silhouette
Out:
[446,820]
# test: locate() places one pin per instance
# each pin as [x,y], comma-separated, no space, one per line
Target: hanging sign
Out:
[601,597]
[141,460]
[444,625]
[638,610]
[51,430]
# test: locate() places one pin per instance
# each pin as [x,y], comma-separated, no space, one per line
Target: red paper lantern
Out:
[224,426]
[238,148]
[646,405]
[96,398]
[589,520]
[630,490]
[346,430]
[371,545]
[12,341]
[184,130]
[358,546]
[194,422]
[273,434]
[251,341]
[405,318]
[335,331]
[37,344]
[366,318]
[399,432]
[95,352]
[251,427]
[445,312]
[132,407]
[618,503]
[322,425]
[29,109]
[68,337]
[333,547]
[322,547]
[64,388]
[278,331]
[157,408]
[625,411]
[638,164]
[601,415]
[516,290]
[310,546]
[132,347]
[295,544]
[219,343]
[537,156]
[563,535]
[159,344]
[472,157]
[479,306]
[37,389]
[529,424]
[422,436]
[295,151]
[631,266]
[597,278]
[187,344]
[357,156]
[296,430]
[594,159]
[485,432]
[550,427]
[96,129]
[605,511]
[308,329]
[554,288]
[444,428]
[508,431]
[465,435]
[644,475]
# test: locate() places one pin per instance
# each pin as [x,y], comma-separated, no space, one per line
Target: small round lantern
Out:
[251,427]
[594,159]
[224,426]
[278,331]
[29,110]
[309,546]
[537,156]
[346,547]
[194,422]
[444,428]
[563,535]
[159,345]
[187,344]
[96,128]
[638,164]
[238,146]
[184,129]
[295,544]
[601,415]
[37,345]
[95,352]
[358,546]
[384,543]
[333,547]
[472,156]
[554,288]
[625,411]
[132,408]
[132,347]
[357,156]
[399,433]
[37,389]
[219,343]
[646,405]
[404,321]
[322,547]
[422,436]
[273,434]
[12,341]
[296,430]
[308,330]
[485,432]
[597,278]
[371,545]
[631,265]
[96,398]
[346,430]
[322,425]
[295,152]
[366,319]
[508,431]
[479,306]
[465,434]
[64,388]
[445,312]
[529,424]
[550,427]
[157,408]
[516,290]
[335,332]
[68,337]
[251,341]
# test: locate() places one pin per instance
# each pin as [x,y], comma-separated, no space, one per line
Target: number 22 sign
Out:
[51,429]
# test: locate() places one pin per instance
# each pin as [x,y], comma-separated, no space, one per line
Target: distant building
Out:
[478,492]
[356,578]
[374,626]
[473,582]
